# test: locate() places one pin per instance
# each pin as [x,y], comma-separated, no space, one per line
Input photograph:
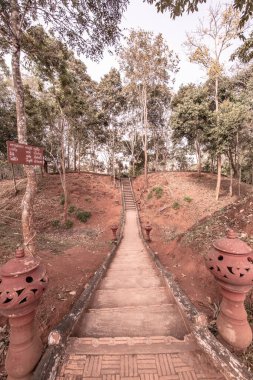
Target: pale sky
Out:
[144,16]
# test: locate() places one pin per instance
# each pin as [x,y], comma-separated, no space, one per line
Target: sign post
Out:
[24,154]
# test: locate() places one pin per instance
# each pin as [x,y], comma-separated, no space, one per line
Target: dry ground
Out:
[183,234]
[70,255]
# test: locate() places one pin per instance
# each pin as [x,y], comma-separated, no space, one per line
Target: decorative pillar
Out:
[114,229]
[22,282]
[148,229]
[231,263]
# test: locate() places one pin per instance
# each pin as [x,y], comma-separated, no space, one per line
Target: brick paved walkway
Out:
[133,329]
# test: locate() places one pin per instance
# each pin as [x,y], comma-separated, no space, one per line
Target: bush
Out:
[62,199]
[157,191]
[68,224]
[55,223]
[72,209]
[83,216]
[176,205]
[187,199]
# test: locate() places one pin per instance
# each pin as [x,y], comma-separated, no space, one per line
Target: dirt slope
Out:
[70,255]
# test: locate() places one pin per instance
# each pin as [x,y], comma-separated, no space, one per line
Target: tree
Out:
[86,26]
[206,46]
[147,61]
[191,118]
[112,102]
[178,7]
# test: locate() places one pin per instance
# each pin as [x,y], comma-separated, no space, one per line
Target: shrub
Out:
[187,199]
[158,191]
[68,224]
[176,205]
[83,216]
[55,223]
[62,199]
[72,209]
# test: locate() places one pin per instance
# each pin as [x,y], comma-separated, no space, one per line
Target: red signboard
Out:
[24,154]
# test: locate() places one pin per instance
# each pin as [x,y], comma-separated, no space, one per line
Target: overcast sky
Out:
[144,16]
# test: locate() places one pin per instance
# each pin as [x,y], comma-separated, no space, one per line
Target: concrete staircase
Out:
[128,194]
[133,328]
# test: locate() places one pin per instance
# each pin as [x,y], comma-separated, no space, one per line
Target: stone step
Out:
[132,322]
[120,282]
[126,272]
[135,297]
[130,345]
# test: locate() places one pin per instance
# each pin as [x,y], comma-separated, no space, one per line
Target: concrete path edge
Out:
[221,357]
[48,365]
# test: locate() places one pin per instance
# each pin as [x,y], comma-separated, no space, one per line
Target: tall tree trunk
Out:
[231,180]
[217,193]
[74,153]
[79,154]
[68,152]
[198,153]
[145,121]
[63,171]
[113,157]
[31,186]
[218,177]
[232,163]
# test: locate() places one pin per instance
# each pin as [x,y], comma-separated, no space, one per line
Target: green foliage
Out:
[83,216]
[55,223]
[175,205]
[71,209]
[178,7]
[187,199]
[157,191]
[68,224]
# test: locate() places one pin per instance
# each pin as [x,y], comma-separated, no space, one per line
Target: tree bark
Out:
[198,153]
[31,186]
[219,154]
[63,171]
[218,177]
[74,153]
[231,181]
[145,121]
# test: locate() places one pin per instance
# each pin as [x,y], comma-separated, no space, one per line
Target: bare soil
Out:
[183,234]
[72,255]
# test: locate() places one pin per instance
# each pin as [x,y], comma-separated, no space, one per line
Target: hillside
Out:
[71,255]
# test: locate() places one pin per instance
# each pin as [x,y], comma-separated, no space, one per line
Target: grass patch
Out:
[72,209]
[68,224]
[187,199]
[176,205]
[157,191]
[83,216]
[55,223]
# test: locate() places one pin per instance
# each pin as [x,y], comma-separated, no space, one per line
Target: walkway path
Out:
[133,329]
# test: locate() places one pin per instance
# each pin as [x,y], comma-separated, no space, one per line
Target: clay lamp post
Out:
[231,262]
[22,282]
[114,229]
[148,229]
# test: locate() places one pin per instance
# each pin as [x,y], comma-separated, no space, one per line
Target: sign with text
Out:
[24,154]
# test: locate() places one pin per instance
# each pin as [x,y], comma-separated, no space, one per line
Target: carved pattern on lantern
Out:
[30,293]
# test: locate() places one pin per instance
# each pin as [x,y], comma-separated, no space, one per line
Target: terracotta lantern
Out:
[22,282]
[114,229]
[148,229]
[231,262]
